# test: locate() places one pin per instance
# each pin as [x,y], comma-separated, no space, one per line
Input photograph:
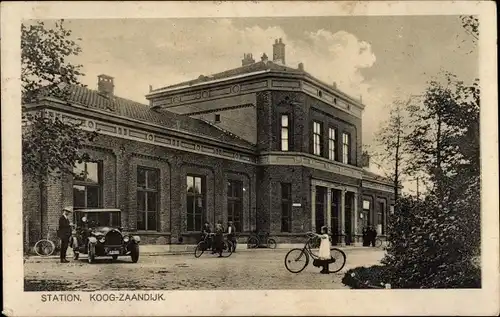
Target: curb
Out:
[33,258]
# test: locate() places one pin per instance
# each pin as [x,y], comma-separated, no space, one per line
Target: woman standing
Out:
[324,256]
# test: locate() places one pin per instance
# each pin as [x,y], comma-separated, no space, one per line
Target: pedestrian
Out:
[218,239]
[324,257]
[231,234]
[64,232]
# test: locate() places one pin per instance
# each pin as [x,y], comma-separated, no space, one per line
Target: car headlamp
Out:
[101,239]
[125,239]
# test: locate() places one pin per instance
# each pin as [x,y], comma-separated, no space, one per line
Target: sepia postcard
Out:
[250,158]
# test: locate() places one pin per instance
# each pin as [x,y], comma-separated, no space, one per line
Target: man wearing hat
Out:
[64,232]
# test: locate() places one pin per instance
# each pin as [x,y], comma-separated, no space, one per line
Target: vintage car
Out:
[98,232]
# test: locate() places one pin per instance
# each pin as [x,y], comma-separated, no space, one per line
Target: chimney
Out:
[105,85]
[264,58]
[279,52]
[247,60]
[301,67]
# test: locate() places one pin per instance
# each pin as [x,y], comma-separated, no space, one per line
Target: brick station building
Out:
[264,145]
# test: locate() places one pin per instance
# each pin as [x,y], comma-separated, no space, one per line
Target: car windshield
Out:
[101,219]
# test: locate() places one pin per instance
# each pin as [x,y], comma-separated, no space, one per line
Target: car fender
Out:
[135,239]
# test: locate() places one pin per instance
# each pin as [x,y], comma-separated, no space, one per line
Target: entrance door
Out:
[334,225]
[320,207]
[348,217]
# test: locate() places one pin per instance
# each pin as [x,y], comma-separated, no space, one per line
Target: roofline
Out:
[304,76]
[249,149]
[173,89]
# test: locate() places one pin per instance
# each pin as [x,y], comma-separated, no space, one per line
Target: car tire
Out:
[91,253]
[134,252]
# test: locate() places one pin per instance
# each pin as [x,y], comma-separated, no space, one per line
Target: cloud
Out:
[139,53]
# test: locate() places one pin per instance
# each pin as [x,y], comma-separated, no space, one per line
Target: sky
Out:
[378,57]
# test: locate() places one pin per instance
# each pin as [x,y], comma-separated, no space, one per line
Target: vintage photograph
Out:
[251,153]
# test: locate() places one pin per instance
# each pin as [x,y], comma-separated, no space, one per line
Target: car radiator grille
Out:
[113,238]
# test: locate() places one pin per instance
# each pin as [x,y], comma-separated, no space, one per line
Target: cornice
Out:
[158,139]
[91,113]
[269,80]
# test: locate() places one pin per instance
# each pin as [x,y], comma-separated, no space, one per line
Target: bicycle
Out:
[297,255]
[205,244]
[255,239]
[44,247]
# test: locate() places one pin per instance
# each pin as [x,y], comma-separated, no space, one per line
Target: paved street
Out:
[253,269]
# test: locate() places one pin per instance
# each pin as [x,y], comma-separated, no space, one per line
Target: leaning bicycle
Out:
[256,240]
[44,247]
[207,242]
[296,260]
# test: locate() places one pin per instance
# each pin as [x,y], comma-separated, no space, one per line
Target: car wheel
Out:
[91,253]
[114,257]
[134,252]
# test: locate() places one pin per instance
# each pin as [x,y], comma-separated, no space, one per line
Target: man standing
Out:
[64,232]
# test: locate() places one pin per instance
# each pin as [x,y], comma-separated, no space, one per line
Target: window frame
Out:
[287,128]
[317,138]
[203,195]
[87,184]
[346,143]
[235,201]
[288,203]
[147,191]
[332,152]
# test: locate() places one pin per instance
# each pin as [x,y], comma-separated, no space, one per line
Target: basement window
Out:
[217,118]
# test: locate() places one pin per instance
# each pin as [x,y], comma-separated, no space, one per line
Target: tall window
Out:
[285,129]
[235,203]
[381,215]
[286,207]
[366,213]
[87,185]
[317,138]
[332,147]
[346,147]
[147,199]
[195,202]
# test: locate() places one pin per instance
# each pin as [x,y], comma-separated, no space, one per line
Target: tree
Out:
[470,24]
[390,140]
[50,146]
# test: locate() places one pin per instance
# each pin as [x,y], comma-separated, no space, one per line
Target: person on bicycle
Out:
[231,234]
[324,256]
[205,234]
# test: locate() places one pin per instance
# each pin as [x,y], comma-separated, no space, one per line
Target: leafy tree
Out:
[50,146]
[470,24]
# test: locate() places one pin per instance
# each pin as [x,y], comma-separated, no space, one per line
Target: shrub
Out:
[376,276]
[430,247]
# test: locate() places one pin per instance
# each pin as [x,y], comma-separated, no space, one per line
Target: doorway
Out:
[320,208]
[335,222]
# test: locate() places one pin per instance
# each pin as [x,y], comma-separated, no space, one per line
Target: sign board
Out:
[296,204]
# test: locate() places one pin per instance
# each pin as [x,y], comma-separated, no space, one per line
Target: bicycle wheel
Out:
[252,243]
[338,258]
[44,247]
[200,248]
[271,243]
[296,260]
[378,242]
[227,249]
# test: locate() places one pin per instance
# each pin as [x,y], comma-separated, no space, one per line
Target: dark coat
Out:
[64,231]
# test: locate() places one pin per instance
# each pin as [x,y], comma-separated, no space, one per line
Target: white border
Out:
[324,302]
